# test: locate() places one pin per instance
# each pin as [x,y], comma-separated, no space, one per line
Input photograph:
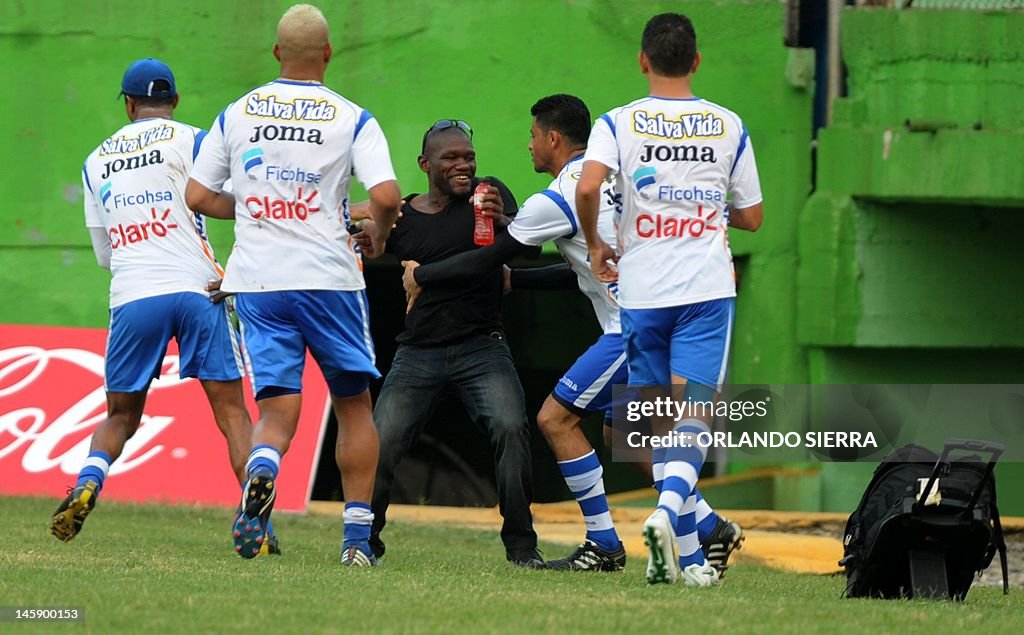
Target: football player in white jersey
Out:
[158,254]
[558,134]
[677,160]
[290,148]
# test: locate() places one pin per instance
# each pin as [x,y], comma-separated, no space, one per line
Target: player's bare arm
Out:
[100,246]
[384,203]
[588,194]
[202,199]
[747,218]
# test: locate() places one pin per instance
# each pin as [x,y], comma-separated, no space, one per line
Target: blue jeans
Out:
[482,374]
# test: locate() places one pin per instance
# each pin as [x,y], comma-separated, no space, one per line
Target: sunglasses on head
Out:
[444,124]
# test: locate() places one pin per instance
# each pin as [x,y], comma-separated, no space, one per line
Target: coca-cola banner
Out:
[52,399]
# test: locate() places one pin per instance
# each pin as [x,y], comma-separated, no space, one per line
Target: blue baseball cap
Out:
[139,78]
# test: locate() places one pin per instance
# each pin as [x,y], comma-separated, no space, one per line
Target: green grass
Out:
[143,568]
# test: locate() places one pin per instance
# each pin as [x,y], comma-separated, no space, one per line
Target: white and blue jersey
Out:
[551,216]
[160,258]
[677,162]
[134,186]
[290,149]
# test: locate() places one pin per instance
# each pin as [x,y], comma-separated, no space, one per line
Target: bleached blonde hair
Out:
[302,32]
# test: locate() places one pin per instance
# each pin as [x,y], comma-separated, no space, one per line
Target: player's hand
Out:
[362,238]
[506,275]
[371,239]
[412,288]
[359,212]
[216,295]
[602,262]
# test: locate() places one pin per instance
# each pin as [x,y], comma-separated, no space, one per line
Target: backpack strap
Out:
[1000,540]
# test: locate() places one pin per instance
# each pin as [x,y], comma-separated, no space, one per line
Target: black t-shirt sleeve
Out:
[469,264]
[558,277]
[394,244]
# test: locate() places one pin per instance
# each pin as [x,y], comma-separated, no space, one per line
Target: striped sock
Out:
[263,458]
[658,467]
[583,476]
[357,520]
[682,468]
[95,468]
[706,517]
[687,539]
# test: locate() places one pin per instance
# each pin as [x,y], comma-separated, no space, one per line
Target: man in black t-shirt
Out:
[453,339]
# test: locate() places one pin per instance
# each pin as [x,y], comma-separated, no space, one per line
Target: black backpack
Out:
[899,543]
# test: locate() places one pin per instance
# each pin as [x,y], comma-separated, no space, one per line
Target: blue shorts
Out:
[140,330]
[278,327]
[587,386]
[691,341]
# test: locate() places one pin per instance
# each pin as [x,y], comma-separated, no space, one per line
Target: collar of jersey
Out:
[144,120]
[297,82]
[694,98]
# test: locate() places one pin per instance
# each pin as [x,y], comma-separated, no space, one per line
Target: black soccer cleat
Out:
[726,538]
[67,520]
[377,547]
[590,557]
[250,526]
[529,559]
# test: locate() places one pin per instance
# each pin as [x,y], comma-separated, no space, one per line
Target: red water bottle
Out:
[483,225]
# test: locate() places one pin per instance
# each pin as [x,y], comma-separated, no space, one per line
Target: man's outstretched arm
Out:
[468,265]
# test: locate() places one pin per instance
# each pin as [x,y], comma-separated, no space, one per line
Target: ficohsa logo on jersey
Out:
[118,200]
[255,169]
[645,181]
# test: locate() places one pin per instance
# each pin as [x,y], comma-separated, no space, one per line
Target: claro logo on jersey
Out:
[662,226]
[122,235]
[264,207]
[128,145]
[692,125]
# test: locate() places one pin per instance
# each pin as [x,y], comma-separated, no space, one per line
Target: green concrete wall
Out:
[910,269]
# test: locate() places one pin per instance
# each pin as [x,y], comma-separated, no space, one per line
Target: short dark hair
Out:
[670,44]
[146,101]
[566,114]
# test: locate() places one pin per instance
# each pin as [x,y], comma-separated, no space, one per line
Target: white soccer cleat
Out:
[660,538]
[700,575]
